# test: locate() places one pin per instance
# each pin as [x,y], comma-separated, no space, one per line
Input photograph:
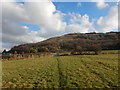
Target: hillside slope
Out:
[106,41]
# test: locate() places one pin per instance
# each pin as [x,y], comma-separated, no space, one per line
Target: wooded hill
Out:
[68,42]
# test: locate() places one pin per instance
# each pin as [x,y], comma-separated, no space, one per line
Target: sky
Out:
[30,22]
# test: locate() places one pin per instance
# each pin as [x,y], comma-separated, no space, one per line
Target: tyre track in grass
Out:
[105,66]
[90,71]
[62,79]
[100,76]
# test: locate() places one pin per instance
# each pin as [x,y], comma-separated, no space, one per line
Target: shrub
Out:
[77,50]
[33,51]
[97,49]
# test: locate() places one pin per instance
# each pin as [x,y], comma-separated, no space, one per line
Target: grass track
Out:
[81,71]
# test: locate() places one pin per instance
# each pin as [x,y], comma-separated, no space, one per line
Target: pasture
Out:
[110,51]
[79,71]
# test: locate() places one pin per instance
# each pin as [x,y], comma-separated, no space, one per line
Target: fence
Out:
[24,56]
[36,55]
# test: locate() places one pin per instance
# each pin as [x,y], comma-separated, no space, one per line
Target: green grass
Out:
[110,51]
[64,53]
[81,71]
[92,52]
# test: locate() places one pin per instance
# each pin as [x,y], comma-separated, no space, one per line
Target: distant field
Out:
[110,51]
[80,71]
[103,51]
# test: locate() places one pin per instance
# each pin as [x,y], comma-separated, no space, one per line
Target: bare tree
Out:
[97,49]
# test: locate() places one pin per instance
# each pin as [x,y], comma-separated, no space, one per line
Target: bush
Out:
[33,51]
[97,49]
[77,50]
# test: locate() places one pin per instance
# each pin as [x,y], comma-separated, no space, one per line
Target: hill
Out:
[107,41]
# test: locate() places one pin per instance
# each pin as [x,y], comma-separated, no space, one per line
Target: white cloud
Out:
[16,34]
[13,12]
[109,22]
[25,27]
[79,4]
[100,3]
[46,16]
[79,23]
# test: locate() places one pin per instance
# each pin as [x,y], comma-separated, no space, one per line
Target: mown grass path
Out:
[59,73]
[81,71]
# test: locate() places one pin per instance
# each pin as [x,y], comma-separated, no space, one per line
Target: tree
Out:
[43,49]
[33,51]
[97,49]
[77,49]
[66,46]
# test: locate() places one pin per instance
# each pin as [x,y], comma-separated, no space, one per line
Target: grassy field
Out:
[80,71]
[92,52]
[110,51]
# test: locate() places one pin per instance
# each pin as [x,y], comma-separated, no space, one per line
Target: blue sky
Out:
[31,27]
[85,8]
[88,8]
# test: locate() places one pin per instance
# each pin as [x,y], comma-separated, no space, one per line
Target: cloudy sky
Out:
[29,22]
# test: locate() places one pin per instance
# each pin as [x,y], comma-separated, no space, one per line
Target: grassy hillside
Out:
[86,71]
[107,41]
